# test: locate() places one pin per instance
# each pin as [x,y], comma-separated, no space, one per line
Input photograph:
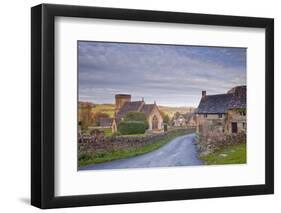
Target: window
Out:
[205,115]
[234,127]
[220,115]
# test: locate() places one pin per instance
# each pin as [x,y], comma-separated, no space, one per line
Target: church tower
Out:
[120,100]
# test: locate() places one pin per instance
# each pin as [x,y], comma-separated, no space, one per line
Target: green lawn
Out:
[87,159]
[107,131]
[233,154]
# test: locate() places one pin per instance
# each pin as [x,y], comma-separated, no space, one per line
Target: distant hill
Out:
[109,109]
[172,110]
[105,108]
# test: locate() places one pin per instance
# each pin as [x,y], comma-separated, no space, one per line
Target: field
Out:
[104,108]
[233,154]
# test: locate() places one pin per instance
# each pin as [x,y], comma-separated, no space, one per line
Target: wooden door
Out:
[154,122]
[234,127]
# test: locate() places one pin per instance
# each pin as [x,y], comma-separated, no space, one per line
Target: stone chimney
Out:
[204,93]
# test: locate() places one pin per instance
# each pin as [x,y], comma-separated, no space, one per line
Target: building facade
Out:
[223,112]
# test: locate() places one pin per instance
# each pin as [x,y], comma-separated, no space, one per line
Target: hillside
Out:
[172,110]
[104,108]
[109,109]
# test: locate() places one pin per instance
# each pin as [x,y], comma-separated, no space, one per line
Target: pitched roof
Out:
[234,99]
[105,122]
[128,107]
[147,109]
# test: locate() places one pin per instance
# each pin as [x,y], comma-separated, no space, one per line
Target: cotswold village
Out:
[132,133]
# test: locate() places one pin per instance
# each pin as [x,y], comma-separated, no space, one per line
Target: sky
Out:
[171,75]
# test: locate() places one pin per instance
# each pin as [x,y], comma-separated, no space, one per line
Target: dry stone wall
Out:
[100,143]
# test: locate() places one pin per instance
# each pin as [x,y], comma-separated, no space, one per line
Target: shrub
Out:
[116,134]
[135,116]
[133,123]
[132,127]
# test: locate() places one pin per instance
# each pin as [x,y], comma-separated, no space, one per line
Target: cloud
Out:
[168,74]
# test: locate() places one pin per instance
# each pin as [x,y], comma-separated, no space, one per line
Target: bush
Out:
[132,127]
[135,116]
[116,134]
[133,123]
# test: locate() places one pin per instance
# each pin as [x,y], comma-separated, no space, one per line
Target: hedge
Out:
[132,127]
[135,116]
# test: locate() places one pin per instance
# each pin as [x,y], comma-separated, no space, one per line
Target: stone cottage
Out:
[223,112]
[191,119]
[123,105]
[105,122]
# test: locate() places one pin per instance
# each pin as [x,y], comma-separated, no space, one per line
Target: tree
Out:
[85,118]
[165,117]
[165,127]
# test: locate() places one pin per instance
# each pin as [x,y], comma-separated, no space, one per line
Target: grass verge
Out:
[88,159]
[233,154]
[107,131]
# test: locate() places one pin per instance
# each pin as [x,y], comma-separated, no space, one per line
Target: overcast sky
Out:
[168,74]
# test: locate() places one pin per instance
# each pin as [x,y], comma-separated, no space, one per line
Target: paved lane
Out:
[179,152]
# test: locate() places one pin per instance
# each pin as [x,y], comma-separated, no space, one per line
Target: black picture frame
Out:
[43,105]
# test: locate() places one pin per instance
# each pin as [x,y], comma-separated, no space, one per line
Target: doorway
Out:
[154,123]
[234,127]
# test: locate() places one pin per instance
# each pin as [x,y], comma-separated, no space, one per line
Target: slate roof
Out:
[234,99]
[104,122]
[134,106]
[147,109]
[128,107]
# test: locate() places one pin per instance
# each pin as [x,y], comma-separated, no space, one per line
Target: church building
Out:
[123,105]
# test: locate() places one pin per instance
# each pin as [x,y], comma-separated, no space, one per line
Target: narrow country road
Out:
[179,152]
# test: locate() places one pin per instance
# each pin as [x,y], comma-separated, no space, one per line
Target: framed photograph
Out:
[136,106]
